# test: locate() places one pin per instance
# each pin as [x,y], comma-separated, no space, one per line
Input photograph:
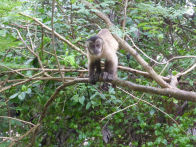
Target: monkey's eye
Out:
[97,45]
[91,46]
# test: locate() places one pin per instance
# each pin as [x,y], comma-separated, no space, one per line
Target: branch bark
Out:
[170,92]
[145,74]
[127,47]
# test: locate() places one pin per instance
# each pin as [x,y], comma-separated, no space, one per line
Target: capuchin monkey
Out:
[102,46]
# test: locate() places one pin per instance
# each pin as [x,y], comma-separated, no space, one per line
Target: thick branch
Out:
[146,74]
[126,46]
[170,92]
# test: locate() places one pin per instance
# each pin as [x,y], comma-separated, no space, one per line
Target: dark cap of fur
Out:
[93,38]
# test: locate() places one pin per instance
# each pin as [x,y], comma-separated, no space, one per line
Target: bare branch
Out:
[32,52]
[6,138]
[125,17]
[170,92]
[15,71]
[19,83]
[56,34]
[26,122]
[46,69]
[126,46]
[26,134]
[53,42]
[32,45]
[110,115]
[188,70]
[174,58]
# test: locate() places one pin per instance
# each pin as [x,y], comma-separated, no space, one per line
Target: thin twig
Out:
[125,17]
[19,83]
[31,42]
[6,138]
[110,115]
[56,34]
[188,70]
[26,122]
[153,107]
[15,71]
[26,134]
[32,52]
[53,42]
[174,58]
[167,62]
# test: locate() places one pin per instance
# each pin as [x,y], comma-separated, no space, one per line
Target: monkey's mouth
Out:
[96,53]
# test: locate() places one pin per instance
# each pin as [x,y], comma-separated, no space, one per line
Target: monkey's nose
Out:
[96,52]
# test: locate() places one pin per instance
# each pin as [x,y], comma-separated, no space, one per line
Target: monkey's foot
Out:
[107,77]
[94,78]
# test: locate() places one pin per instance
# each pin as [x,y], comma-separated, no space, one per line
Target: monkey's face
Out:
[95,45]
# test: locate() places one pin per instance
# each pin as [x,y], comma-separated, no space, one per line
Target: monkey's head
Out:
[95,45]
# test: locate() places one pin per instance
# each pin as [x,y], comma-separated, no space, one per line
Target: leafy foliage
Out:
[161,30]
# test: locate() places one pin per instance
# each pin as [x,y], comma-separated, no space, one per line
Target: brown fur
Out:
[107,51]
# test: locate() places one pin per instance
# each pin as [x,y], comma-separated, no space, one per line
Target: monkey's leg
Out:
[94,71]
[98,68]
[91,69]
[110,70]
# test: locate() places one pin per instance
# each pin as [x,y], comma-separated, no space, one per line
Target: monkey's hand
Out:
[94,78]
[107,76]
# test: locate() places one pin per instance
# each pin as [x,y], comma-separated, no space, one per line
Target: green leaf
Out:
[152,111]
[22,95]
[88,105]
[8,41]
[150,143]
[3,33]
[24,88]
[81,100]
[174,72]
[28,91]
[175,101]
[75,98]
[2,104]
[160,37]
[73,1]
[164,141]
[191,82]
[13,96]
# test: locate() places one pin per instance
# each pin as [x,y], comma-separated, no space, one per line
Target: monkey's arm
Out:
[110,72]
[94,71]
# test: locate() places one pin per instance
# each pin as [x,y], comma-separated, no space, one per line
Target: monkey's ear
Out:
[87,43]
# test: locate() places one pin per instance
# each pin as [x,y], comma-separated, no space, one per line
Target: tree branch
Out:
[127,47]
[55,33]
[170,92]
